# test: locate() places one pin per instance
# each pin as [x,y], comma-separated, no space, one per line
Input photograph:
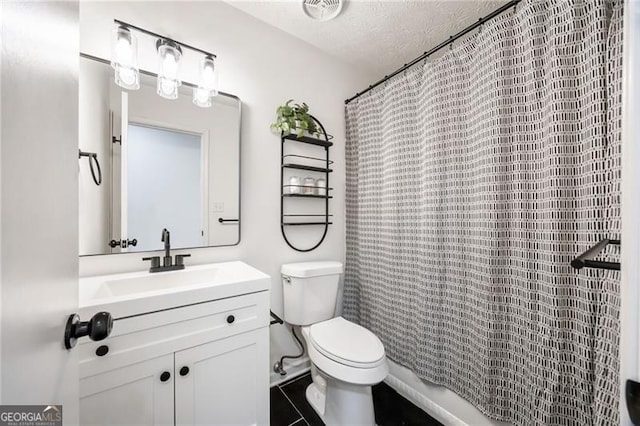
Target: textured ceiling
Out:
[376,35]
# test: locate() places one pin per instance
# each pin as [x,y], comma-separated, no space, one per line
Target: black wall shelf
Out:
[306,223]
[323,141]
[309,139]
[307,195]
[305,167]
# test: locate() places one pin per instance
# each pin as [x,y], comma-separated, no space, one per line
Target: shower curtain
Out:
[472,181]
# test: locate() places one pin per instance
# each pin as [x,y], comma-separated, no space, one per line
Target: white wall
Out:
[629,283]
[94,136]
[1,201]
[39,228]
[264,67]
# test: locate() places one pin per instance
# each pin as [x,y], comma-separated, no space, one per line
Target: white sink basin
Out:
[158,281]
[137,293]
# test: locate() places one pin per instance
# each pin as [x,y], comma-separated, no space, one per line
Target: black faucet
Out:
[167,261]
[166,239]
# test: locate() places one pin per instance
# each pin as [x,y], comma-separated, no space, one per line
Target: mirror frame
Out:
[220,93]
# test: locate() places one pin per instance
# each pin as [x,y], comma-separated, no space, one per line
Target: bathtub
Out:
[441,403]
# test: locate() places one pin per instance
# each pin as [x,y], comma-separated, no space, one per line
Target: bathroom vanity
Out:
[187,347]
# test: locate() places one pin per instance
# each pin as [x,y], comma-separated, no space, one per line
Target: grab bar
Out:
[585,260]
[93,158]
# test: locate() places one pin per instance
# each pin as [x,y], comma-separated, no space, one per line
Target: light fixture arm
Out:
[159,36]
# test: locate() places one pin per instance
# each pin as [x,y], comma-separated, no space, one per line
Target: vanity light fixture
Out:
[208,85]
[124,59]
[169,55]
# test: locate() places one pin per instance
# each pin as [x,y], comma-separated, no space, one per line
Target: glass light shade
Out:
[124,58]
[128,78]
[201,97]
[169,55]
[209,75]
[208,85]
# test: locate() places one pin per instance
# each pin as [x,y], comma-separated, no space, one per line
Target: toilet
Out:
[346,359]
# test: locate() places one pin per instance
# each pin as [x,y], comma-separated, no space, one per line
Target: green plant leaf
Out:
[294,117]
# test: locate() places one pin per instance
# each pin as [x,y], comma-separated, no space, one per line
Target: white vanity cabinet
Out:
[225,383]
[205,364]
[129,395]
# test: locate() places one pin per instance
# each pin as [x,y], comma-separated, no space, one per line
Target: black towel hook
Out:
[93,158]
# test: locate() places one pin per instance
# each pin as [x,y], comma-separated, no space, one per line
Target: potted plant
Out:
[294,119]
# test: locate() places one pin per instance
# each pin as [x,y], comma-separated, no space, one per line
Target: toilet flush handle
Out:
[286,279]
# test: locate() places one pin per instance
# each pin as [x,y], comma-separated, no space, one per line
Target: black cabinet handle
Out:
[231,319]
[165,376]
[184,371]
[102,350]
[97,328]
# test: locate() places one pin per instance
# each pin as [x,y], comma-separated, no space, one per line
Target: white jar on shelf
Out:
[309,186]
[321,187]
[294,185]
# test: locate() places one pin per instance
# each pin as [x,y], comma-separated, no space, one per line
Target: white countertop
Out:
[136,293]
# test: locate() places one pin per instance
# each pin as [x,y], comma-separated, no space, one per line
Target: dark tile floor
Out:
[289,406]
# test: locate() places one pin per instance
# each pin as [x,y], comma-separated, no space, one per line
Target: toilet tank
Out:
[310,290]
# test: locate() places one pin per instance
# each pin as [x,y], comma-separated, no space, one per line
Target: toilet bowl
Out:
[346,358]
[346,351]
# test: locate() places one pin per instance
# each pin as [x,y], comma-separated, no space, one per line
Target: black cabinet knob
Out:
[165,376]
[102,350]
[231,319]
[184,371]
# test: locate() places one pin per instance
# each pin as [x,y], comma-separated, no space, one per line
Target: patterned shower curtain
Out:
[472,181]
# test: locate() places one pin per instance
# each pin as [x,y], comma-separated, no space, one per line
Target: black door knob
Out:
[97,328]
[184,371]
[231,319]
[165,376]
[102,350]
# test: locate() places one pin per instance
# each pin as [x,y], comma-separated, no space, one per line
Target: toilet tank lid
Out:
[311,269]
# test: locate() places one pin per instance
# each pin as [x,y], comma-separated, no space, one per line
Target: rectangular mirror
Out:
[159,164]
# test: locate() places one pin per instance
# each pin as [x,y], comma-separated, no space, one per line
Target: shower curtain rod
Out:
[438,47]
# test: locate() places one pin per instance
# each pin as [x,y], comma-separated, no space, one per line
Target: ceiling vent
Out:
[322,10]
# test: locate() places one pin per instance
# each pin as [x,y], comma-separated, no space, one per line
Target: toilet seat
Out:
[331,351]
[347,343]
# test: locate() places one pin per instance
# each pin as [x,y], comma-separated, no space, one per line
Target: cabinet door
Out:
[132,395]
[227,382]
